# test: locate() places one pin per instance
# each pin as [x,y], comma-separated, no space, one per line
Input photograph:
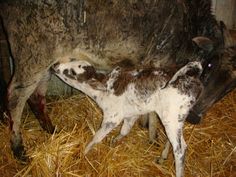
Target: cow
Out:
[125,94]
[108,34]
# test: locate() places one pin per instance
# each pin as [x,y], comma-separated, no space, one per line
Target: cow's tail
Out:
[3,93]
[5,71]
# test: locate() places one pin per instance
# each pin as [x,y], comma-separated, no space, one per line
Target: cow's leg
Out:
[150,121]
[18,93]
[126,127]
[152,127]
[37,103]
[173,124]
[143,121]
[107,126]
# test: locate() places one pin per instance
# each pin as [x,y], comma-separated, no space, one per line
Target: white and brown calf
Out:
[124,94]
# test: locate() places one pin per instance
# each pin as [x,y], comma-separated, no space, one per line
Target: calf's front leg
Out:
[108,124]
[164,153]
[126,127]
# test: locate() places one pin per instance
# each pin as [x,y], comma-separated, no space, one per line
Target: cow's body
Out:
[105,33]
[124,95]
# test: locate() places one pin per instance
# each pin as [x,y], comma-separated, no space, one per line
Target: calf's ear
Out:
[204,43]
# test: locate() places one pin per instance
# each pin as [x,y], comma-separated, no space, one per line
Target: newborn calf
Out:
[124,94]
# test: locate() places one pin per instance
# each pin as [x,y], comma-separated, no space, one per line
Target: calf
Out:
[124,94]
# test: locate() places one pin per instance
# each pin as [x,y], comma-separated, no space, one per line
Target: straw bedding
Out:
[211,145]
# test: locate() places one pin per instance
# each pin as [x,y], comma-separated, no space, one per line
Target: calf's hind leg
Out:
[173,124]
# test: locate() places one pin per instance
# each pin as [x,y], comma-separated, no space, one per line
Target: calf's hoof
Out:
[160,160]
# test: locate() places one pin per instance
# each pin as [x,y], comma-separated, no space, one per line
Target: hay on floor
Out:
[211,145]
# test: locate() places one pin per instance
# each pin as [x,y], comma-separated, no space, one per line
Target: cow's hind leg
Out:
[152,127]
[37,103]
[18,93]
[150,121]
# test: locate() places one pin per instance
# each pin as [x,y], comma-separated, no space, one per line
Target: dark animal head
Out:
[218,77]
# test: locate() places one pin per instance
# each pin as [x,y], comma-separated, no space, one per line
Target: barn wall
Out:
[234,16]
[57,87]
[225,10]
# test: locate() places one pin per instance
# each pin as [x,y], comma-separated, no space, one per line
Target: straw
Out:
[211,145]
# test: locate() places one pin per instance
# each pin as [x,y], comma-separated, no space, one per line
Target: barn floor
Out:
[211,145]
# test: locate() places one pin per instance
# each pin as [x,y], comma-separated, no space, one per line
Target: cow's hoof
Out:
[49,128]
[19,153]
[17,148]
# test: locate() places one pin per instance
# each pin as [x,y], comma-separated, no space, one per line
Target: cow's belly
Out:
[124,53]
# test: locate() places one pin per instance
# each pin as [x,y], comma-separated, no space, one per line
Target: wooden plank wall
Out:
[57,87]
[225,10]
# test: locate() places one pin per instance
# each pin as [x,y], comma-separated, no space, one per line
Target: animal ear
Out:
[204,43]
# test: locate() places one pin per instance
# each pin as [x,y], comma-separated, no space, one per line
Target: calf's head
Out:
[78,70]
